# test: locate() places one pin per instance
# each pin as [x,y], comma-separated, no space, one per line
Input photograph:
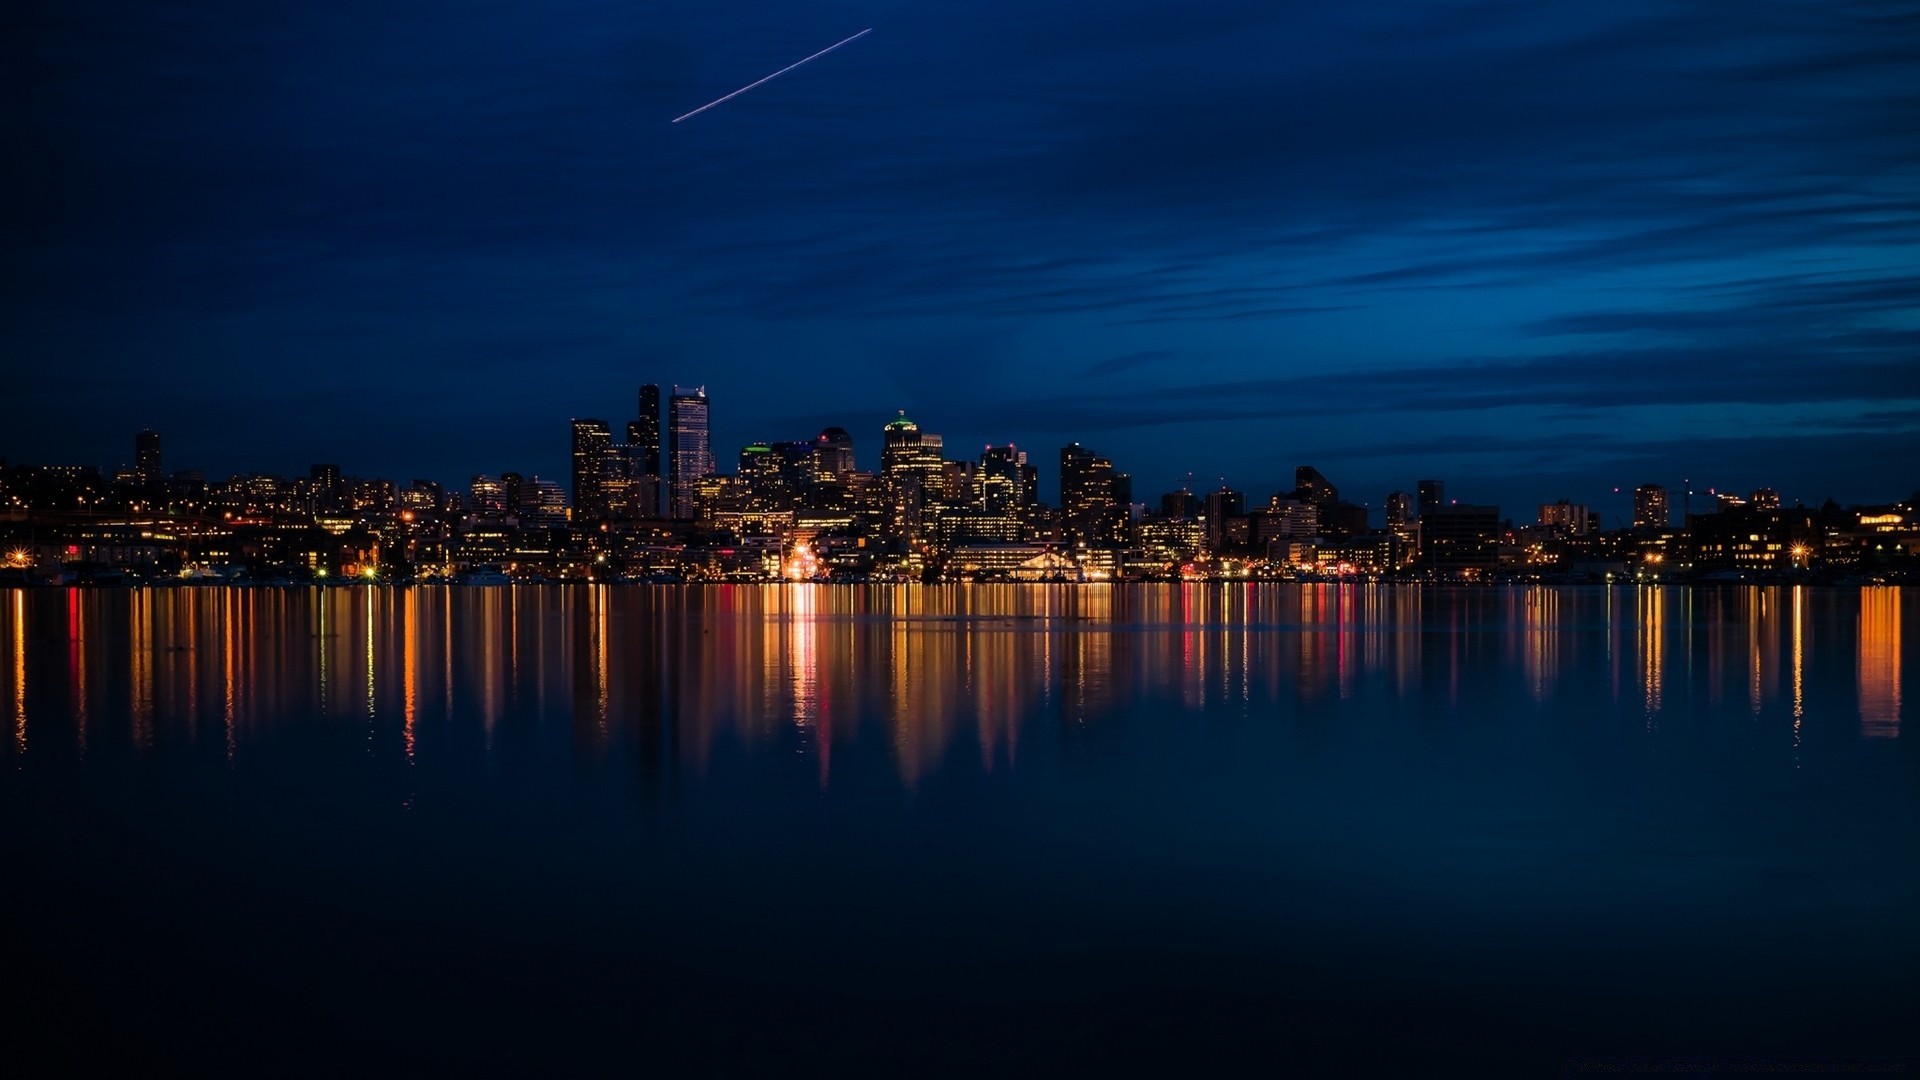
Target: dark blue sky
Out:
[1540,250]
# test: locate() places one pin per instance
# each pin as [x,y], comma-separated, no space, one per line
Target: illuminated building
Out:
[762,486]
[1172,539]
[1460,537]
[1399,510]
[591,443]
[1225,507]
[1432,495]
[1765,499]
[630,492]
[542,501]
[1310,486]
[644,434]
[1565,517]
[911,465]
[1004,482]
[487,498]
[146,456]
[1650,507]
[1283,518]
[689,448]
[832,454]
[328,489]
[1093,499]
[1745,537]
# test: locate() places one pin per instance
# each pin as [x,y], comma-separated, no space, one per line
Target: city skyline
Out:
[1410,240]
[1618,508]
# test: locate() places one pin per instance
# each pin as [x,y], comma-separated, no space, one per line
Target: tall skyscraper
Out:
[1093,498]
[592,446]
[912,463]
[1433,495]
[146,456]
[1650,507]
[689,447]
[643,434]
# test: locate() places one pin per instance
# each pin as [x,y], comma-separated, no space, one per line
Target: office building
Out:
[643,433]
[1399,510]
[1094,505]
[1650,507]
[833,454]
[591,443]
[689,448]
[912,466]
[146,456]
[1310,486]
[1224,508]
[1460,538]
[1565,518]
[1432,495]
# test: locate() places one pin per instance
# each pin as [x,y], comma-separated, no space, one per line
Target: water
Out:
[951,830]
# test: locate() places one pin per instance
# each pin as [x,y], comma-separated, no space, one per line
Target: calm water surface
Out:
[957,829]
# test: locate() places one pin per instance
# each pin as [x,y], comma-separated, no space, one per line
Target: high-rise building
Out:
[1310,486]
[1650,507]
[911,463]
[592,444]
[629,492]
[1094,500]
[644,434]
[1765,499]
[689,447]
[1000,483]
[833,454]
[146,456]
[487,498]
[1224,507]
[1432,495]
[1399,510]
[759,478]
[542,502]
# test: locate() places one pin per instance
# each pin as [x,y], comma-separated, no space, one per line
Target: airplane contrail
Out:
[773,76]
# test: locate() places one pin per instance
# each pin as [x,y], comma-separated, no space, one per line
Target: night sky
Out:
[1541,250]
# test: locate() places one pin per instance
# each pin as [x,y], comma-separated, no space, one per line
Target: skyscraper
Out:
[643,434]
[1650,507]
[1433,496]
[1092,503]
[913,467]
[689,447]
[1003,483]
[146,456]
[592,446]
[1310,486]
[832,454]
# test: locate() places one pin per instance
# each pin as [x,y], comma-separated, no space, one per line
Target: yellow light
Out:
[370,572]
[322,572]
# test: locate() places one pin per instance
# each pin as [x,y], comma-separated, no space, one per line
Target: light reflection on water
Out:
[1145,819]
[815,668]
